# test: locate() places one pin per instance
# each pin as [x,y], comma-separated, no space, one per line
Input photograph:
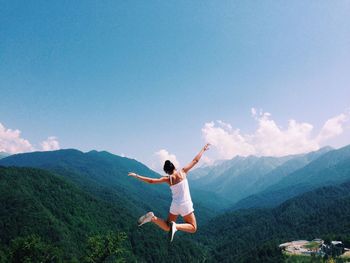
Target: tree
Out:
[32,249]
[103,248]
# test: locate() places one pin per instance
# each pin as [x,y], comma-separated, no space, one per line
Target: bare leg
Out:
[190,226]
[164,224]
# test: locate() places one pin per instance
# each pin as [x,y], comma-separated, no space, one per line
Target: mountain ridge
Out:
[104,174]
[241,177]
[253,235]
[332,167]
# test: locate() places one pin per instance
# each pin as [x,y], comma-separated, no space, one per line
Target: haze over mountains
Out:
[330,168]
[3,155]
[247,177]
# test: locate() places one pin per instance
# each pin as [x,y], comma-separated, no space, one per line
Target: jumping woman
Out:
[181,199]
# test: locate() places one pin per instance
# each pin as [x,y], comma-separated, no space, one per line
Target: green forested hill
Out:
[253,235]
[104,175]
[36,202]
[100,173]
[85,203]
[55,218]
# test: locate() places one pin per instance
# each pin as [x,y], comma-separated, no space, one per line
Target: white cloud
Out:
[333,127]
[269,139]
[253,111]
[227,141]
[161,156]
[50,144]
[12,142]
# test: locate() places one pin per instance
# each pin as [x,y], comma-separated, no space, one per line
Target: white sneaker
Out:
[145,218]
[172,230]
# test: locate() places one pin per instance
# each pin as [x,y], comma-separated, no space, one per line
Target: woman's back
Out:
[180,189]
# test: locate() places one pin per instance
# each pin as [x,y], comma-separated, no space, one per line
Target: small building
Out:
[337,248]
[315,247]
[302,247]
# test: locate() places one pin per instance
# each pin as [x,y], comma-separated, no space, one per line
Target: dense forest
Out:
[253,235]
[45,218]
[81,207]
[104,175]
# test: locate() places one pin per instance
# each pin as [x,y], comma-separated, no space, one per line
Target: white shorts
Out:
[183,209]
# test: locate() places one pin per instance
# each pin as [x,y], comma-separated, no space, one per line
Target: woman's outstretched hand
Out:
[132,174]
[206,147]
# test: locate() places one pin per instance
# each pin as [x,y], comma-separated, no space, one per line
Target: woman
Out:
[181,199]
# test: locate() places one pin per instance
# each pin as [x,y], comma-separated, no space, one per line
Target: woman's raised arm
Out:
[196,159]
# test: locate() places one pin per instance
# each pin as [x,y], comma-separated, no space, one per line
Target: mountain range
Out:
[267,181]
[4,154]
[331,168]
[67,199]
[105,175]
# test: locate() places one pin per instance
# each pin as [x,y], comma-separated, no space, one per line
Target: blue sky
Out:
[135,77]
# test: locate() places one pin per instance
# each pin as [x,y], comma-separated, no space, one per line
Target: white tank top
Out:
[181,191]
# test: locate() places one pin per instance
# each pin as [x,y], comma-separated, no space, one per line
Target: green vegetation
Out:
[312,245]
[249,234]
[83,208]
[32,249]
[104,175]
[312,259]
[103,247]
[45,218]
[303,259]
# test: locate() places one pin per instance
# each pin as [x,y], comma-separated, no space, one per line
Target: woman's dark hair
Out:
[168,167]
